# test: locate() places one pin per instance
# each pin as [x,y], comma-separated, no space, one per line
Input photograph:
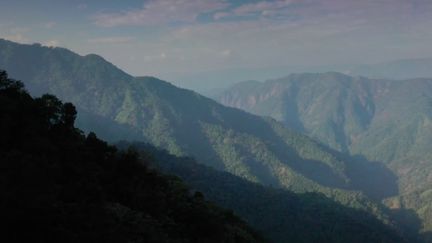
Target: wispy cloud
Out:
[262,7]
[111,40]
[216,34]
[51,43]
[157,12]
[313,9]
[16,34]
[325,31]
[272,33]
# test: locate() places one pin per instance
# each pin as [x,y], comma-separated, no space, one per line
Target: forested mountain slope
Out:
[384,120]
[278,214]
[119,106]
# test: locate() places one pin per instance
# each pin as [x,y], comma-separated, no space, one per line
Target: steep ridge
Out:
[387,121]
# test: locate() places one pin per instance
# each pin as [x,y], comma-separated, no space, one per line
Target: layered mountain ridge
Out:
[386,121]
[118,106]
[181,121]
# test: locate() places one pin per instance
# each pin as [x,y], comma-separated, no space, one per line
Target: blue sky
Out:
[171,38]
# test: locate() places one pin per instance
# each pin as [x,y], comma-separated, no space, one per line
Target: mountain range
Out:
[181,121]
[259,150]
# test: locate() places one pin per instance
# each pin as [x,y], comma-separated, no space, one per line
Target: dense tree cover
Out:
[385,121]
[280,215]
[118,106]
[409,207]
[58,185]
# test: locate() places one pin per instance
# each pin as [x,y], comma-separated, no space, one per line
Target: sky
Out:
[176,38]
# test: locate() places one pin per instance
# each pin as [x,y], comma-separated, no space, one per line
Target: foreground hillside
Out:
[61,186]
[279,215]
[383,120]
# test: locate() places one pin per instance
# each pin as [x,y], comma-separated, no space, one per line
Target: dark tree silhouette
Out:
[58,185]
[69,114]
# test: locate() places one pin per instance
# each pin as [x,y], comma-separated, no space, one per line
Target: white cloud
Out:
[157,12]
[111,40]
[262,6]
[51,43]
